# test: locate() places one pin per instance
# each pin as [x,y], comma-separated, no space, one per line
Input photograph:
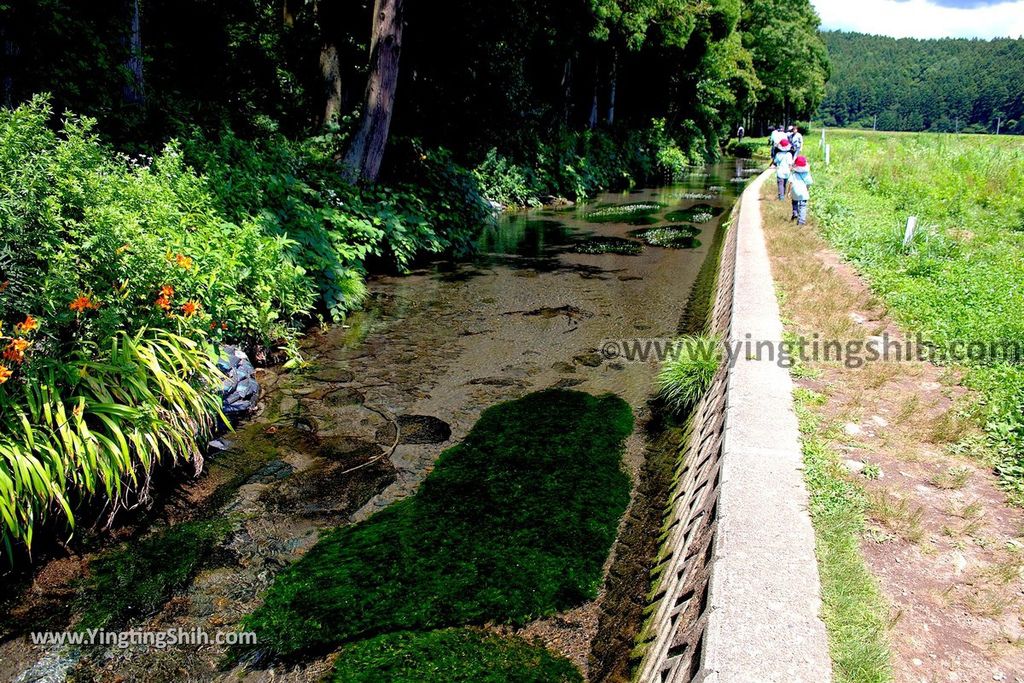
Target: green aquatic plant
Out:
[450,655]
[622,212]
[135,579]
[513,524]
[699,213]
[672,236]
[608,245]
[688,373]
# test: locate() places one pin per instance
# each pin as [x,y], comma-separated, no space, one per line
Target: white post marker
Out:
[822,143]
[908,235]
[828,154]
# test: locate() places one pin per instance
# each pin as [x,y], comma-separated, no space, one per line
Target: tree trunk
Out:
[613,87]
[330,73]
[134,91]
[567,90]
[11,52]
[330,63]
[366,152]
[287,14]
[592,120]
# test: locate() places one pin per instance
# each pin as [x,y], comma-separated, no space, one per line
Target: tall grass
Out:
[962,279]
[96,424]
[688,373]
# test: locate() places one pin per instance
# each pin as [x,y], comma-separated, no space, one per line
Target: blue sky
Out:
[925,18]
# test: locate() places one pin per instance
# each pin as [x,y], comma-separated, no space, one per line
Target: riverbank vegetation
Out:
[689,371]
[199,174]
[958,282]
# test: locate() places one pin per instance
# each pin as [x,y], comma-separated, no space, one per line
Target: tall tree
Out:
[135,88]
[366,152]
[330,60]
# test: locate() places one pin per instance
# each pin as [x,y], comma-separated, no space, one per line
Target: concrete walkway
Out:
[764,624]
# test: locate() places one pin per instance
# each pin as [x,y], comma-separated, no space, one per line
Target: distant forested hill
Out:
[937,85]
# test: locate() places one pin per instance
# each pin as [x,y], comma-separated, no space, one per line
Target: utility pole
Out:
[875,125]
[999,122]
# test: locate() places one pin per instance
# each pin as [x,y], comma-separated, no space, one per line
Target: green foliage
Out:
[450,655]
[135,579]
[748,149]
[854,611]
[513,524]
[295,191]
[504,182]
[80,220]
[95,423]
[688,373]
[789,57]
[960,280]
[914,85]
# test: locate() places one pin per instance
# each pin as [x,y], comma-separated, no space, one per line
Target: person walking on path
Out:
[796,139]
[783,161]
[800,182]
[739,133]
[777,135]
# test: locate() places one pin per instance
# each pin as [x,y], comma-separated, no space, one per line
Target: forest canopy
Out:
[466,75]
[941,85]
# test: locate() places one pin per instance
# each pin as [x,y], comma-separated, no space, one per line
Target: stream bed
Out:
[361,425]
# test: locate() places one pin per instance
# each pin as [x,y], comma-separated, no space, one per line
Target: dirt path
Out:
[945,545]
[383,395]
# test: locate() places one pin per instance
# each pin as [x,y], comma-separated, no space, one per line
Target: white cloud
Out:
[922,19]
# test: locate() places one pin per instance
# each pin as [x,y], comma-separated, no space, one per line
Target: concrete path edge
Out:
[764,622]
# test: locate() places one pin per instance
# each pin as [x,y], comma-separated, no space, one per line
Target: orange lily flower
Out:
[5,373]
[83,302]
[15,351]
[27,326]
[184,261]
[167,291]
[162,302]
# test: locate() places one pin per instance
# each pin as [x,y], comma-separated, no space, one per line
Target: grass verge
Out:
[958,281]
[852,606]
[514,523]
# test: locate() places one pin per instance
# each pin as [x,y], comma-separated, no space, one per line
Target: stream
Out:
[362,424]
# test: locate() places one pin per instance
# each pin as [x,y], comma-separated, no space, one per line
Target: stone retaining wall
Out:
[722,606]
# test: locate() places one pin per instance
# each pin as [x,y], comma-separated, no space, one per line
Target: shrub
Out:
[115,274]
[689,372]
[96,423]
[504,182]
[513,524]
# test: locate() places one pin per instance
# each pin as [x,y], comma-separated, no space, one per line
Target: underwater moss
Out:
[513,524]
[450,655]
[136,578]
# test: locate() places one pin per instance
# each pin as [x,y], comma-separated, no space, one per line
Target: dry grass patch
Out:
[954,478]
[898,515]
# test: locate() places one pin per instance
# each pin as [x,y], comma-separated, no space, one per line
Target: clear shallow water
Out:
[437,347]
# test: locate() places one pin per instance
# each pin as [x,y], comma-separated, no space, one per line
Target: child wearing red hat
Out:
[800,182]
[783,162]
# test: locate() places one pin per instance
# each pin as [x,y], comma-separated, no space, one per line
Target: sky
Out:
[925,18]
